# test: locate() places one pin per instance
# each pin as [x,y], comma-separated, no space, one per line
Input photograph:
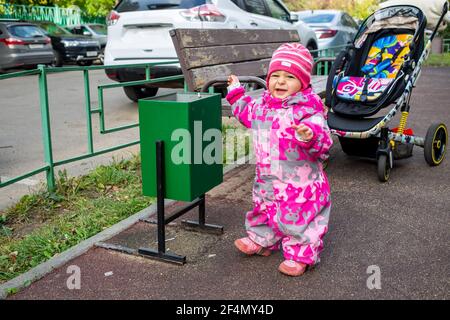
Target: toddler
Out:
[291,139]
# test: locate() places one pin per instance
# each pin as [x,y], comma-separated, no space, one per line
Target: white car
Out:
[138,32]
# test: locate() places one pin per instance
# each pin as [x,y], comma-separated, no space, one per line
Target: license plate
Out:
[36,46]
[91,53]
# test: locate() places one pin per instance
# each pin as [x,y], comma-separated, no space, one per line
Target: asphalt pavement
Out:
[397,230]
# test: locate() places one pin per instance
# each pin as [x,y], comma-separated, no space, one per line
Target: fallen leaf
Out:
[13,256]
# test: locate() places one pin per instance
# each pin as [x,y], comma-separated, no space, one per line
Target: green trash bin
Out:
[190,125]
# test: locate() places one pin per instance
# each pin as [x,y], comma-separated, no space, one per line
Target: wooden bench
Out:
[213,54]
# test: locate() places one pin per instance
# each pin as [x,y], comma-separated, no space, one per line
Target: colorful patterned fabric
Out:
[383,62]
[379,63]
[291,194]
[351,88]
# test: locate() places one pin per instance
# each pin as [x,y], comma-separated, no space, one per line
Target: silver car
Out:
[23,45]
[333,28]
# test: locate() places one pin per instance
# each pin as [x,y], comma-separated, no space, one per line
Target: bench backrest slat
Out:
[208,53]
[197,38]
[210,56]
[200,76]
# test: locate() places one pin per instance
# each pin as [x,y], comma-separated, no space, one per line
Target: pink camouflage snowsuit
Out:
[291,194]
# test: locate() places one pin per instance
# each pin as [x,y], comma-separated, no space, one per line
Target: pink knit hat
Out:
[293,58]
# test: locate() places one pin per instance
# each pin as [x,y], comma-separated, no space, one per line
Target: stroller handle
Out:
[444,12]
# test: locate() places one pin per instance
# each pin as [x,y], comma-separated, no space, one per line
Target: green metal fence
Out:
[43,71]
[60,16]
[446,46]
[324,58]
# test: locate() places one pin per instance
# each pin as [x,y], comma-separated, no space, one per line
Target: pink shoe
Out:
[292,268]
[247,246]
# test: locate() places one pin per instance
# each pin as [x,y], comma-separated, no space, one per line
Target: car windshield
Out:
[318,18]
[143,5]
[25,31]
[98,28]
[53,29]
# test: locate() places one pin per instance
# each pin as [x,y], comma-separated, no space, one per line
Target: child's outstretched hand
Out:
[305,132]
[233,83]
[232,79]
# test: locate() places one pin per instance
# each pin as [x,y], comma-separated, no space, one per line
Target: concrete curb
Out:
[59,260]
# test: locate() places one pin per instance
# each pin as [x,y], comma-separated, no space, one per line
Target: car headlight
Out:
[68,43]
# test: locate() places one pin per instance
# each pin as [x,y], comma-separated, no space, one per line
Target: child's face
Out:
[283,84]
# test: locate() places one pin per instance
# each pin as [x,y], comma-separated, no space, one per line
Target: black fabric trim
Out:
[351,125]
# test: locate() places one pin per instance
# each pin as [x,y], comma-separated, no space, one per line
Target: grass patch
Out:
[236,143]
[438,60]
[42,225]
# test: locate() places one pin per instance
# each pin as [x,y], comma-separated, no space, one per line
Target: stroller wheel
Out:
[385,163]
[435,144]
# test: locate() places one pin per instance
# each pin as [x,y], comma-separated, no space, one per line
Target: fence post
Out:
[87,94]
[57,17]
[46,131]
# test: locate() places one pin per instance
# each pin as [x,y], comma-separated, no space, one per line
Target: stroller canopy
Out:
[404,17]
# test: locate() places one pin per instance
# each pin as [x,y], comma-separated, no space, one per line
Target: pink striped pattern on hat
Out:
[295,59]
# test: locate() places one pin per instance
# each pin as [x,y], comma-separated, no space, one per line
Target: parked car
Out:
[333,28]
[95,31]
[23,45]
[138,32]
[69,47]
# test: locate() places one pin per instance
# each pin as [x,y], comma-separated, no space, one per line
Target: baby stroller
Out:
[379,70]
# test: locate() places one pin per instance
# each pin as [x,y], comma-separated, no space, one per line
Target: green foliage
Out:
[356,8]
[446,33]
[235,146]
[438,60]
[5,231]
[90,7]
[33,2]
[12,291]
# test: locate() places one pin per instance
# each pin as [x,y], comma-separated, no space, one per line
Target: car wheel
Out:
[101,56]
[85,63]
[58,61]
[134,93]
[312,47]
